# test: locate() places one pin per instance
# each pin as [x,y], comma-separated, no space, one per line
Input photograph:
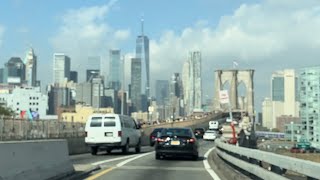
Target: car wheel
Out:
[138,147]
[94,150]
[125,148]
[157,156]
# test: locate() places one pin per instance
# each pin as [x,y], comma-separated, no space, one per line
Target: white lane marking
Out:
[208,167]
[131,159]
[113,159]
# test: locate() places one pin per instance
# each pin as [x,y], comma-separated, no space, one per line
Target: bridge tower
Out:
[235,77]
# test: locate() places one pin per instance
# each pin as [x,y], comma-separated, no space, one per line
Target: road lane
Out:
[147,167]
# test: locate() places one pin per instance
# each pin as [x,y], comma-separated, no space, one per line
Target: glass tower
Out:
[115,75]
[142,53]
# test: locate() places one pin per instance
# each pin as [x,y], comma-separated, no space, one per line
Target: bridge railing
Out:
[250,160]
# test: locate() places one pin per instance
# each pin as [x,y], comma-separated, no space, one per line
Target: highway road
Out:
[143,165]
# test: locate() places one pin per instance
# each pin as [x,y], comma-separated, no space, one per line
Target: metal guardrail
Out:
[307,168]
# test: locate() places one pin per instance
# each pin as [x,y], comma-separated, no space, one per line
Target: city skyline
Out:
[228,34]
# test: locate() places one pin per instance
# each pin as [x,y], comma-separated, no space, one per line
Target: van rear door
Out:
[94,129]
[112,129]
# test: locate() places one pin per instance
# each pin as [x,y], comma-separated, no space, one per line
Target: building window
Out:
[17,103]
[37,103]
[37,109]
[30,98]
[30,103]
[17,109]
[34,103]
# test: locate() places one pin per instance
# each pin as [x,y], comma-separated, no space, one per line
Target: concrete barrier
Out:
[39,159]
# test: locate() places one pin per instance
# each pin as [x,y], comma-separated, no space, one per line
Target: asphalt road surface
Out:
[145,166]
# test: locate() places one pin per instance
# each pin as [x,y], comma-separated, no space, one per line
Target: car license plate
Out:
[108,134]
[175,142]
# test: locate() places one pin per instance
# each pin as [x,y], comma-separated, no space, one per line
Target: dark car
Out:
[153,135]
[199,132]
[176,142]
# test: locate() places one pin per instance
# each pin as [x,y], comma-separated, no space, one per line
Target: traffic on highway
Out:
[172,153]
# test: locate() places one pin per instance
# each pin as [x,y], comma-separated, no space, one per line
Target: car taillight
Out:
[119,133]
[160,140]
[86,134]
[192,140]
[153,137]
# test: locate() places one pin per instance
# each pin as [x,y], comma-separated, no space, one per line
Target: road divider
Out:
[37,159]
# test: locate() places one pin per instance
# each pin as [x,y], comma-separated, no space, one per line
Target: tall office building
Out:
[14,71]
[97,92]
[74,76]
[92,73]
[1,75]
[192,83]
[162,92]
[115,70]
[136,84]
[284,93]
[61,68]
[176,85]
[310,103]
[267,113]
[31,68]
[142,53]
[59,96]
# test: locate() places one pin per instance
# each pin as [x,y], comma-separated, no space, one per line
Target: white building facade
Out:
[26,98]
[31,68]
[61,68]
[192,83]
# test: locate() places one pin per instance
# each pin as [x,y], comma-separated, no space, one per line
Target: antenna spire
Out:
[142,20]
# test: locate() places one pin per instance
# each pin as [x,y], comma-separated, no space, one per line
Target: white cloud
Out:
[84,32]
[272,34]
[122,34]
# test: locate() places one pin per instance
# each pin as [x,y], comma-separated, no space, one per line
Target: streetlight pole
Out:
[291,131]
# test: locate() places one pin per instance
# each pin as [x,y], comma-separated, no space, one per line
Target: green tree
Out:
[5,111]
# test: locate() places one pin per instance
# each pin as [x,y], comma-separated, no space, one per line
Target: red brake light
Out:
[85,134]
[119,133]
[160,140]
[192,140]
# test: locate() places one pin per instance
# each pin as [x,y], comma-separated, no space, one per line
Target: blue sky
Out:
[266,35]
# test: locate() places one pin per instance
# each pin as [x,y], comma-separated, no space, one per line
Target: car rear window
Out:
[96,122]
[176,132]
[109,124]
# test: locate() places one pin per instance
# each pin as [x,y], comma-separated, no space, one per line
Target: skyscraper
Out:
[192,83]
[115,75]
[14,72]
[310,103]
[284,93]
[1,75]
[31,68]
[162,91]
[61,68]
[142,53]
[136,83]
[74,76]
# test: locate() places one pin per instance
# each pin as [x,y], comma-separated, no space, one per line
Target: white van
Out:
[112,131]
